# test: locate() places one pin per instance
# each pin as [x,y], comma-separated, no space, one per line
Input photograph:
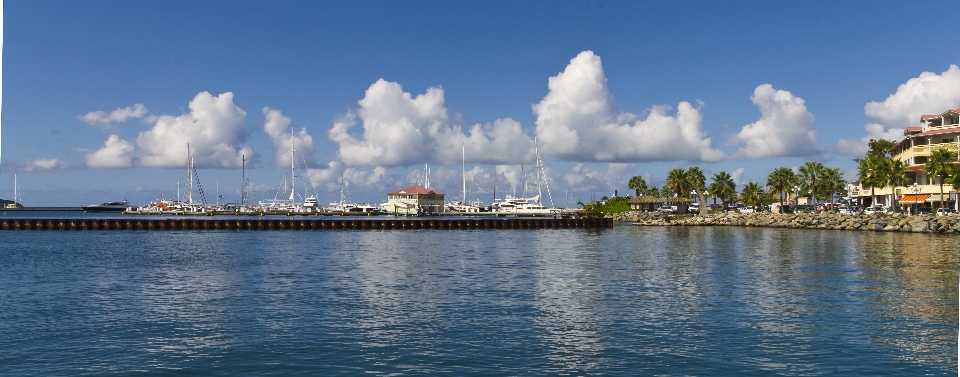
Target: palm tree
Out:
[677,182]
[723,187]
[697,182]
[752,194]
[939,164]
[637,184]
[809,173]
[870,173]
[781,182]
[833,183]
[895,171]
[652,191]
[665,193]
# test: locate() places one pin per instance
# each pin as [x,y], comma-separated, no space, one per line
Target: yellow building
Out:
[935,132]
[414,200]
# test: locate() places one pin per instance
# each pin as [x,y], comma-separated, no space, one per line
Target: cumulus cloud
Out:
[400,129]
[785,127]
[858,148]
[277,126]
[214,127]
[104,119]
[44,164]
[737,176]
[115,154]
[575,122]
[929,93]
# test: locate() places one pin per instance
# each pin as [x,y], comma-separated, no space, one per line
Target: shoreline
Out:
[896,222]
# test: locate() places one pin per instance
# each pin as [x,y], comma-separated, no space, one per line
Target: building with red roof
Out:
[935,132]
[420,199]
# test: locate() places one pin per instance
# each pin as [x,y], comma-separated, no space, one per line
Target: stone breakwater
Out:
[877,222]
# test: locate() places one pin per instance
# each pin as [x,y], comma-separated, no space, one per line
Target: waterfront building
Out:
[424,200]
[645,203]
[940,131]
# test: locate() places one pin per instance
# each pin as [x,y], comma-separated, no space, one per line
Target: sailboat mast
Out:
[189,176]
[494,183]
[463,170]
[243,175]
[539,168]
[293,153]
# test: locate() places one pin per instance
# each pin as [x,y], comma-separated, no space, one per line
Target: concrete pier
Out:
[300,224]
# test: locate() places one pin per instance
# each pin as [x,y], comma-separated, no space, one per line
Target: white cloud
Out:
[214,127]
[855,148]
[927,94]
[737,176]
[582,178]
[277,126]
[116,153]
[785,127]
[575,123]
[400,129]
[103,119]
[44,164]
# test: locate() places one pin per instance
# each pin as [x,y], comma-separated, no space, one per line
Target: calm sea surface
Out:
[622,301]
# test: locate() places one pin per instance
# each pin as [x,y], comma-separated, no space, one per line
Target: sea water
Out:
[623,301]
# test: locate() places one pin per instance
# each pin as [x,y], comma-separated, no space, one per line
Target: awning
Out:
[914,198]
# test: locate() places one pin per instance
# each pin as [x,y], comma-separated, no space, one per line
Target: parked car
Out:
[693,208]
[946,212]
[746,209]
[666,209]
[843,210]
[876,209]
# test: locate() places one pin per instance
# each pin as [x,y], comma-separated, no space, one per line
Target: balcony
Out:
[924,150]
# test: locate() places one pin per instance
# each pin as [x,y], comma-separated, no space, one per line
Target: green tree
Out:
[940,165]
[833,183]
[697,182]
[637,184]
[870,171]
[809,173]
[781,182]
[752,195]
[652,191]
[665,193]
[878,148]
[895,172]
[723,187]
[677,182]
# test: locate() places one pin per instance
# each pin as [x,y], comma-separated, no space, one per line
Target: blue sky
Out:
[640,88]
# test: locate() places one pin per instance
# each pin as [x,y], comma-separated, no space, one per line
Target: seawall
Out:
[300,224]
[877,222]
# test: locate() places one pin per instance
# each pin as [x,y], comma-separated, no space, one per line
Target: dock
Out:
[201,224]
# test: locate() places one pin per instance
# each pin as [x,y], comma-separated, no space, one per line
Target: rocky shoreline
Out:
[879,222]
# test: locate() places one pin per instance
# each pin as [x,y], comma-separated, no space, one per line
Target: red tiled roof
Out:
[925,117]
[912,129]
[416,190]
[938,131]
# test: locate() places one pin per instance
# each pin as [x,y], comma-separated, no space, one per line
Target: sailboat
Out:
[289,205]
[462,205]
[528,206]
[16,196]
[346,207]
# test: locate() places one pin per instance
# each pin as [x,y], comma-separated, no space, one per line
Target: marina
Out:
[299,224]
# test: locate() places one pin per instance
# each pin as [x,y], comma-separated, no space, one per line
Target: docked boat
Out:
[516,206]
[108,207]
[512,206]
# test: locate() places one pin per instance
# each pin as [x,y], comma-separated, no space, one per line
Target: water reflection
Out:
[628,300]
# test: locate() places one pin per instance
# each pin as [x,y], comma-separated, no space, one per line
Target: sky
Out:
[101,98]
